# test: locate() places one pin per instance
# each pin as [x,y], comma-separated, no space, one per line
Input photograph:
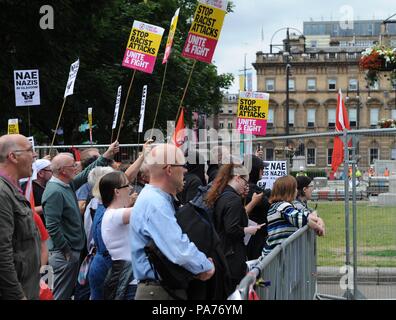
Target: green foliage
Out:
[97,33]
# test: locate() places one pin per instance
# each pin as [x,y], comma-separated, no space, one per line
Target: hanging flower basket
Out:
[376,59]
[387,123]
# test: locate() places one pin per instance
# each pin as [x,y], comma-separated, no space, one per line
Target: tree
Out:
[97,33]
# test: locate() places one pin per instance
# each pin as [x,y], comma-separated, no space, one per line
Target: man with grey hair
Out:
[64,221]
[19,238]
[154,219]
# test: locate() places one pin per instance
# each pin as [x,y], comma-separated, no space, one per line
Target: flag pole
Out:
[125,103]
[159,100]
[57,125]
[185,90]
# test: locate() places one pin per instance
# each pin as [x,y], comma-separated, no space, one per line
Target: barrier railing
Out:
[287,273]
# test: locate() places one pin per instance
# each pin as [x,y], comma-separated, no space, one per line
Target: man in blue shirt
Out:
[153,218]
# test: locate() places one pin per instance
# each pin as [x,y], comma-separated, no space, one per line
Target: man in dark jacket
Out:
[19,238]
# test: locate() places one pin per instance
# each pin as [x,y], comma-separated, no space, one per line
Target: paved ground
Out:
[384,291]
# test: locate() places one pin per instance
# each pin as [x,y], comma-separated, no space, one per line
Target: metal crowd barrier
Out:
[287,273]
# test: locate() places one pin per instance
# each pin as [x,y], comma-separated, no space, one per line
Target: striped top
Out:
[283,220]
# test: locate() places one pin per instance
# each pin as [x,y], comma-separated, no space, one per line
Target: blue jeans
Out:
[98,270]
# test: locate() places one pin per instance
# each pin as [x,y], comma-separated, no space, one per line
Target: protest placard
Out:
[142,48]
[90,124]
[72,78]
[142,109]
[171,35]
[27,87]
[273,171]
[205,30]
[13,127]
[252,113]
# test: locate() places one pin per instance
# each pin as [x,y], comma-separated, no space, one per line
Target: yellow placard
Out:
[252,108]
[208,21]
[13,127]
[90,117]
[144,41]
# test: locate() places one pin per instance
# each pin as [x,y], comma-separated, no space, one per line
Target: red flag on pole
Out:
[342,123]
[179,134]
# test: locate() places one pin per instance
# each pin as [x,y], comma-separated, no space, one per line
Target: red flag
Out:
[342,123]
[179,134]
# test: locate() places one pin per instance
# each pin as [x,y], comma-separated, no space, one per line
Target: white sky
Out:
[241,33]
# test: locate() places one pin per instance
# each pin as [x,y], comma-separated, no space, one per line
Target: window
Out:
[374,154]
[269,154]
[291,117]
[393,153]
[332,55]
[374,117]
[332,83]
[374,86]
[311,118]
[314,43]
[221,125]
[394,84]
[230,109]
[351,55]
[352,86]
[329,156]
[393,114]
[229,125]
[313,56]
[270,120]
[311,156]
[221,110]
[270,85]
[311,84]
[331,115]
[352,115]
[292,85]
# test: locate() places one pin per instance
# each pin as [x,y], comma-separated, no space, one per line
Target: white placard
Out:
[142,108]
[72,78]
[117,107]
[27,87]
[273,171]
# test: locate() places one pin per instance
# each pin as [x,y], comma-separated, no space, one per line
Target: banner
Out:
[13,127]
[273,171]
[143,45]
[90,124]
[72,78]
[27,87]
[252,113]
[117,107]
[249,85]
[142,109]
[205,30]
[171,35]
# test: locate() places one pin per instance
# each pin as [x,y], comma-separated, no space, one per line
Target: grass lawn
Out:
[376,234]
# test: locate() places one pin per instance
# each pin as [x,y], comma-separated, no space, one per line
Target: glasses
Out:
[244,179]
[74,165]
[125,186]
[24,150]
[176,165]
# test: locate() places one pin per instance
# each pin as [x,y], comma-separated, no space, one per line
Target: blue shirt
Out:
[84,192]
[153,217]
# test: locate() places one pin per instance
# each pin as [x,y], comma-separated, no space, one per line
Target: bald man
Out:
[19,238]
[154,219]
[63,219]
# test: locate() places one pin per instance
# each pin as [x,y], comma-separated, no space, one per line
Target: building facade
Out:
[323,60]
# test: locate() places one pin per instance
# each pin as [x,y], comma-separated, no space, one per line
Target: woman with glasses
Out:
[304,193]
[230,218]
[117,198]
[284,218]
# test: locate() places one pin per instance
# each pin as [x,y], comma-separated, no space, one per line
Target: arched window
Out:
[374,152]
[311,153]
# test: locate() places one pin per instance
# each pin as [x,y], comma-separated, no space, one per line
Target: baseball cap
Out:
[39,165]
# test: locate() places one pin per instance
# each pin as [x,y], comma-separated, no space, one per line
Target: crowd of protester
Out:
[98,227]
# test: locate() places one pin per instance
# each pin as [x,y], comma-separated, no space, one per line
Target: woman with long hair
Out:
[283,218]
[115,192]
[230,218]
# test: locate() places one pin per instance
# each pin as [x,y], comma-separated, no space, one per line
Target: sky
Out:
[252,24]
